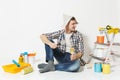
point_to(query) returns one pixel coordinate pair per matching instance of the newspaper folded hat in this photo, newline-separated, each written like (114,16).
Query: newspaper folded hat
(66,19)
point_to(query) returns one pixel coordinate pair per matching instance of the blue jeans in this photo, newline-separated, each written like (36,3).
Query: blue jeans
(64,61)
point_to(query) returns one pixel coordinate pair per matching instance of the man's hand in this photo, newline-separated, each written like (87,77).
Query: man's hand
(73,57)
(53,45)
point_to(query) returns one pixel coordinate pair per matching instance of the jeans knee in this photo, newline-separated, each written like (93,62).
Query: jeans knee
(74,68)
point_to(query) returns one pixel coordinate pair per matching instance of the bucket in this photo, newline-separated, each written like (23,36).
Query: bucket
(100,39)
(106,68)
(98,67)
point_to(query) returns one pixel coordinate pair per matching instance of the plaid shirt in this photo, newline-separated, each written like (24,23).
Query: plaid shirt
(76,40)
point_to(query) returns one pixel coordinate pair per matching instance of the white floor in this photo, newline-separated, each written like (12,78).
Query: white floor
(85,74)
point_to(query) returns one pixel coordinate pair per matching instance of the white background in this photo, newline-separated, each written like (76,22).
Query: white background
(22,22)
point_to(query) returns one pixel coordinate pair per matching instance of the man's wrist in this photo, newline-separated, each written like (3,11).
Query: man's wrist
(78,55)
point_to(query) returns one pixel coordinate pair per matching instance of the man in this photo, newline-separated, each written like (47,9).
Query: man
(67,39)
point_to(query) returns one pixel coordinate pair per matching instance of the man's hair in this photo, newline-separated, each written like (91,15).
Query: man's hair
(73,18)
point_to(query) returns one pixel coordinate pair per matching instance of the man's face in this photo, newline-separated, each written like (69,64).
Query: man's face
(72,25)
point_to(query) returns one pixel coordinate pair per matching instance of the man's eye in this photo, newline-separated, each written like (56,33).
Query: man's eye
(74,24)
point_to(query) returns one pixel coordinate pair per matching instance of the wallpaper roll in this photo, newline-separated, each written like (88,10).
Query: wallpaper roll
(27,70)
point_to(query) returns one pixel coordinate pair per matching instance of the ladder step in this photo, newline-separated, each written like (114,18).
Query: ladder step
(118,55)
(95,57)
(107,44)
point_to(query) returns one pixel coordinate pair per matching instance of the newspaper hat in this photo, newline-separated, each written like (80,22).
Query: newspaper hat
(66,19)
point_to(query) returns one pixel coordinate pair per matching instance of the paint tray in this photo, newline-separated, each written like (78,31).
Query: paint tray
(12,68)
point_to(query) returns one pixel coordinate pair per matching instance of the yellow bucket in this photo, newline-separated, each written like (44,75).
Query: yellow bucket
(106,68)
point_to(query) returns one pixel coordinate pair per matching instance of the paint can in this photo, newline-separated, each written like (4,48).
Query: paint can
(27,70)
(31,57)
(98,67)
(106,68)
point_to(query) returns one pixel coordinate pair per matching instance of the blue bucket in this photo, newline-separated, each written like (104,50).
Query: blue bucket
(98,67)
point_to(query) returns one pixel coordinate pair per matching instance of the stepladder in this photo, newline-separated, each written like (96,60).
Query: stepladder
(108,50)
